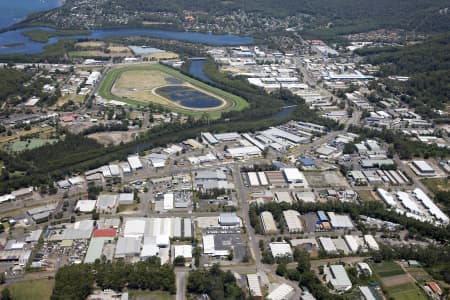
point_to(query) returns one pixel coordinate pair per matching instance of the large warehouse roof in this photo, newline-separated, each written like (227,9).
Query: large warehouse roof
(282,292)
(293,175)
(280,249)
(327,244)
(293,222)
(268,222)
(340,221)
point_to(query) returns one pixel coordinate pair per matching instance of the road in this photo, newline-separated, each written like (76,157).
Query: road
(253,240)
(181,284)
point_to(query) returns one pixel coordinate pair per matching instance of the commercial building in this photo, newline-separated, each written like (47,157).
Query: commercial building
(184,251)
(293,221)
(127,247)
(337,277)
(268,222)
(351,243)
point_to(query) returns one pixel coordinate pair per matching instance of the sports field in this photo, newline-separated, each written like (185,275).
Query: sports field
(141,84)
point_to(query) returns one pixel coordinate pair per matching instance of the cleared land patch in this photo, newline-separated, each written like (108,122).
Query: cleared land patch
(153,83)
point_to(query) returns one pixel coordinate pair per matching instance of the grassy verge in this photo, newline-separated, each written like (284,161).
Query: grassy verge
(234,102)
(437,184)
(146,295)
(42,36)
(32,289)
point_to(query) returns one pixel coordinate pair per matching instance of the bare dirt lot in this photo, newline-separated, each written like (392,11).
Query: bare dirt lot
(107,138)
(396,280)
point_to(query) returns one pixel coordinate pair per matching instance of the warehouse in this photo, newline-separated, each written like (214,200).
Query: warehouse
(337,277)
(254,287)
(184,251)
(106,202)
(305,196)
(149,250)
(268,222)
(293,221)
(407,202)
(387,197)
(229,219)
(280,249)
(327,244)
(85,206)
(283,292)
(114,170)
(241,152)
(423,167)
(371,242)
(126,198)
(168,201)
(135,162)
(276,178)
(227,136)
(293,175)
(253,178)
(283,197)
(209,138)
(127,247)
(273,131)
(351,243)
(429,204)
(134,228)
(263,178)
(340,221)
(95,249)
(187,225)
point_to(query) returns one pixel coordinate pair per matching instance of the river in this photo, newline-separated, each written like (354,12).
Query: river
(22,45)
(196,69)
(12,12)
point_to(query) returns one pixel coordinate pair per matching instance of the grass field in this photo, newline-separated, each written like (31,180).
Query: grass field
(367,195)
(387,269)
(135,85)
(407,291)
(145,295)
(33,289)
(29,144)
(437,184)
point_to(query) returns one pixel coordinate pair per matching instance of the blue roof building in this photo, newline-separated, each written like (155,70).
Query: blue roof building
(305,161)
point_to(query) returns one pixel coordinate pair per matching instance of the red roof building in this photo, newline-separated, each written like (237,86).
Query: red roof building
(108,232)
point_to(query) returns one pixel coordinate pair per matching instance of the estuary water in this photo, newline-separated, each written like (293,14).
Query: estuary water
(14,11)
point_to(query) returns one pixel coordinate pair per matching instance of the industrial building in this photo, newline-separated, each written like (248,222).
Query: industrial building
(229,219)
(340,221)
(293,175)
(254,286)
(293,221)
(423,167)
(352,244)
(268,222)
(243,152)
(371,242)
(283,197)
(280,249)
(134,162)
(283,292)
(327,245)
(337,277)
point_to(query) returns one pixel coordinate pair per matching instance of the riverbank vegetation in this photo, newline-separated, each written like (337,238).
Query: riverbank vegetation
(42,36)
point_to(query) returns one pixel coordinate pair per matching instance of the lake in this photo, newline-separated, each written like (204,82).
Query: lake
(15,11)
(30,47)
(188,97)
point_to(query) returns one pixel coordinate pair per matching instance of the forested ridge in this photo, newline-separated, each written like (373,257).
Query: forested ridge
(428,66)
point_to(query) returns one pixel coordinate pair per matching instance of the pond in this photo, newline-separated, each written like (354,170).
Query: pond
(188,97)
